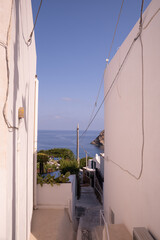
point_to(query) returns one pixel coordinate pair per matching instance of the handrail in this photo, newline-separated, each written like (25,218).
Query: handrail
(105,223)
(96,186)
(97,182)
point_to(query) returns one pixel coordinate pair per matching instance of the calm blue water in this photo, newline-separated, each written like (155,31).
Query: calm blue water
(48,139)
(56,174)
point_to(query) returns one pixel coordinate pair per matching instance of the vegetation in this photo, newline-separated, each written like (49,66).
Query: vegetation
(69,166)
(49,168)
(42,158)
(52,180)
(63,153)
(83,162)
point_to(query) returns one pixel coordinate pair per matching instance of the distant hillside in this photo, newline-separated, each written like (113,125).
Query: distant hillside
(99,141)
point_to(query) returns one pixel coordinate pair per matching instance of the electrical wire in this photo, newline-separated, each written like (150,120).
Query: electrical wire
(115,30)
(3,44)
(151,19)
(31,34)
(109,88)
(7,62)
(95,105)
(8,73)
(142,124)
(112,84)
(89,155)
(26,41)
(29,41)
(142,110)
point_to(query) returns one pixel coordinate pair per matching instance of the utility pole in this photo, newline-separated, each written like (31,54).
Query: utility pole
(78,144)
(86,158)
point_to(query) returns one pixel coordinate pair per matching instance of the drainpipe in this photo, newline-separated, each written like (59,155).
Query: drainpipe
(35,144)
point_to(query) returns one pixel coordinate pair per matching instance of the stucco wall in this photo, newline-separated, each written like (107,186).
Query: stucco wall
(16,148)
(58,196)
(134,202)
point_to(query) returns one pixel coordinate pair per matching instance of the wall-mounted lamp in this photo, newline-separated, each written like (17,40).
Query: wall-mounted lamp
(21,113)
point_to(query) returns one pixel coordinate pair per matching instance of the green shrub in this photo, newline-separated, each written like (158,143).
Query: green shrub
(83,162)
(69,166)
(52,180)
(64,153)
(51,166)
(42,158)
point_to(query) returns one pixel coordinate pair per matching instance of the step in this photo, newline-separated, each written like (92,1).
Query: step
(116,232)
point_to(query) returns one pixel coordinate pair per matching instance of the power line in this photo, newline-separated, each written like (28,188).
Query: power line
(142,110)
(95,105)
(115,29)
(5,45)
(112,84)
(142,124)
(151,19)
(30,37)
(108,57)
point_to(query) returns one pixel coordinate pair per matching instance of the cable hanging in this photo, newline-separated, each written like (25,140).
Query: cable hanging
(31,34)
(142,99)
(107,60)
(5,45)
(112,84)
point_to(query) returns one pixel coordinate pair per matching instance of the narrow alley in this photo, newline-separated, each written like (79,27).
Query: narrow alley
(88,213)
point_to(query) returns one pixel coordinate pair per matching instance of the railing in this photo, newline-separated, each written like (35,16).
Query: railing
(98,189)
(105,223)
(99,177)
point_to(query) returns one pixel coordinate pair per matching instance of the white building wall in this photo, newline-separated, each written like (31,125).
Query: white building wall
(96,159)
(102,164)
(16,148)
(136,203)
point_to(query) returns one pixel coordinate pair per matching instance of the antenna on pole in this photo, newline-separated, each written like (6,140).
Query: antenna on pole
(78,144)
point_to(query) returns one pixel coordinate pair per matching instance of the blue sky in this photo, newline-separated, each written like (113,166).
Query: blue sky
(72,42)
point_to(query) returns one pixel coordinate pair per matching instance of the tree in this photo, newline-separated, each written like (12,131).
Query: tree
(42,158)
(83,162)
(63,153)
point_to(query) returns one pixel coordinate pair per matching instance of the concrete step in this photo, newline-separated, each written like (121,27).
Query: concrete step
(116,232)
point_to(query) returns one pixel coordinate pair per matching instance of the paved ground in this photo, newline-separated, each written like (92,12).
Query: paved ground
(54,224)
(88,212)
(51,224)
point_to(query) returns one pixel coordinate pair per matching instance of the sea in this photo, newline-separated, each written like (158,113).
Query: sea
(48,139)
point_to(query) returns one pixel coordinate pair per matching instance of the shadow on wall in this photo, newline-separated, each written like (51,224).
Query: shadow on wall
(15,91)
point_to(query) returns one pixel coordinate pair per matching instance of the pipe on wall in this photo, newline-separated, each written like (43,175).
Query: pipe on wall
(35,144)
